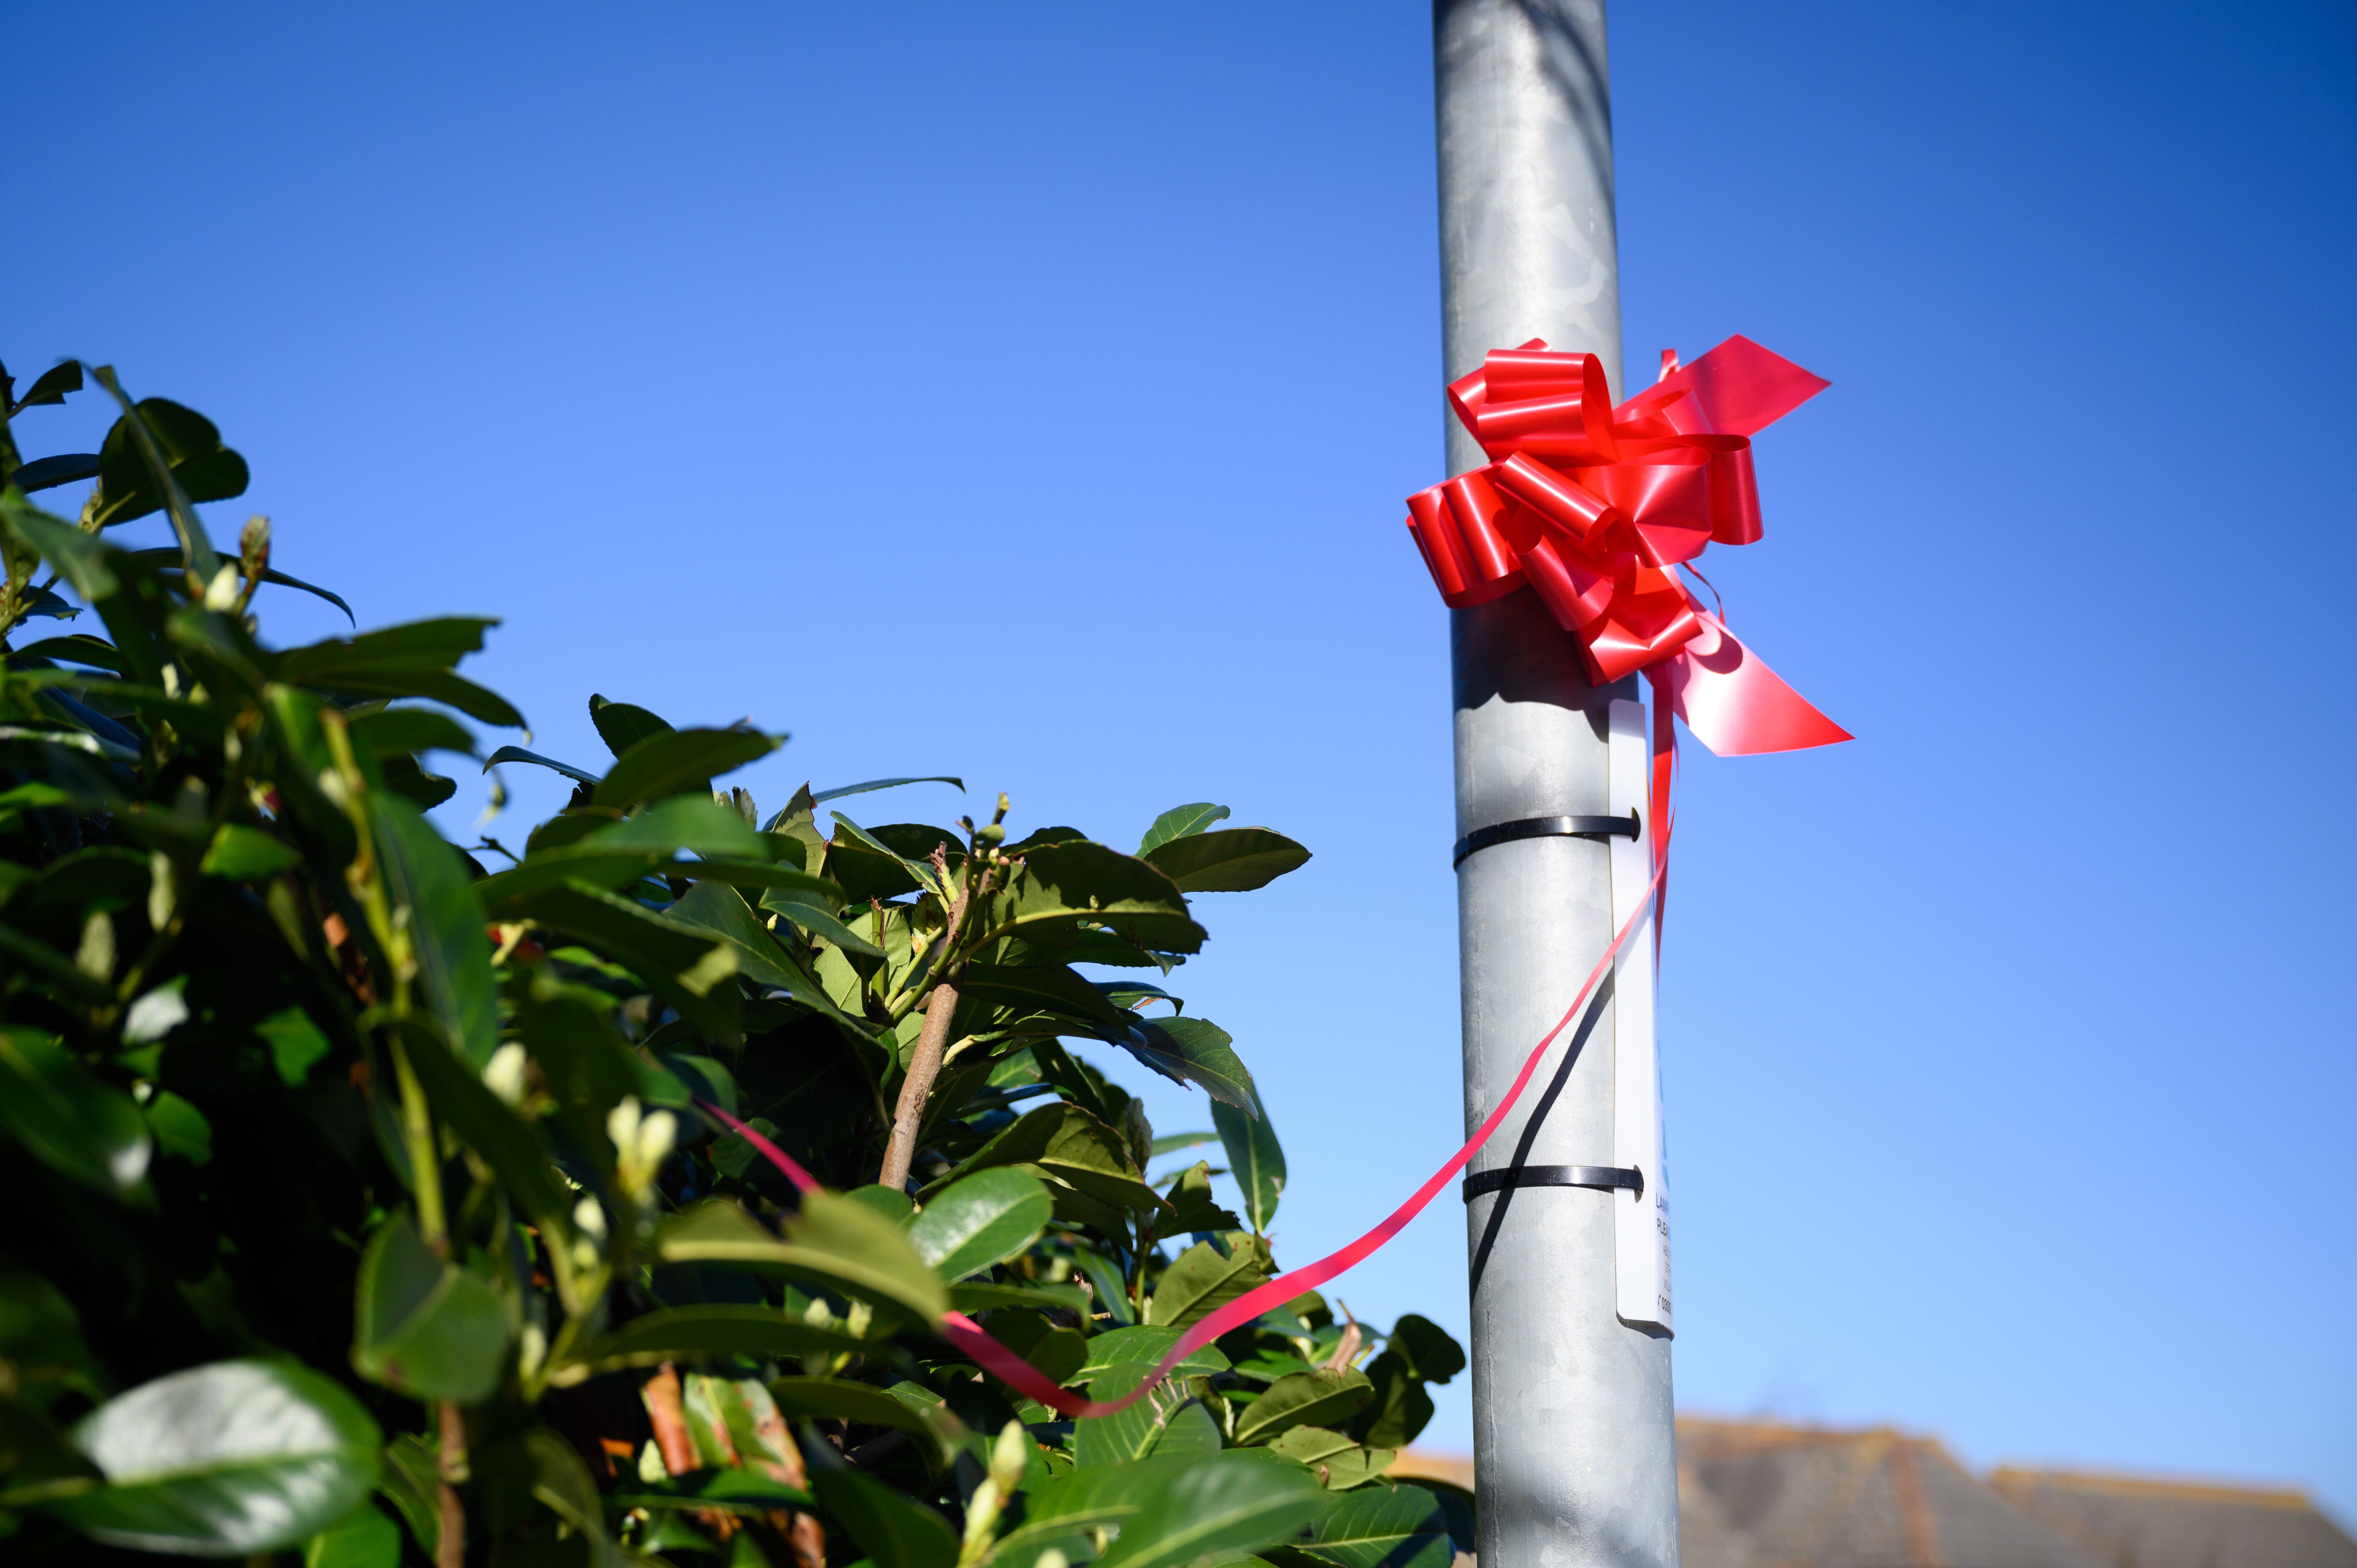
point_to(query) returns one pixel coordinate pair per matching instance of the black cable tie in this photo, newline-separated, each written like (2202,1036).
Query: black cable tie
(1609,1177)
(1545,827)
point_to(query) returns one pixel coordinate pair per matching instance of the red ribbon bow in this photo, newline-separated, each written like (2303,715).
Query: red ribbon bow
(1595,507)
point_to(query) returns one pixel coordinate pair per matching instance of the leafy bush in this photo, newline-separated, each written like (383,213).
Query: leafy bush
(375,1198)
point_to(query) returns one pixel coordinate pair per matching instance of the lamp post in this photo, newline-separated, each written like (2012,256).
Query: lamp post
(1574,1446)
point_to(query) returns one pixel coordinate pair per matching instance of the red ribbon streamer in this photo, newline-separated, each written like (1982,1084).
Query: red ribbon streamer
(971,1337)
(1593,507)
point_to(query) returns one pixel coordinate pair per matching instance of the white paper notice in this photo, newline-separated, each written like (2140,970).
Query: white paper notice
(1640,1221)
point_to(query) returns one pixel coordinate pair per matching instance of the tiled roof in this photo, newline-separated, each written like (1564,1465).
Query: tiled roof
(1763,1495)
(1802,1496)
(2137,1522)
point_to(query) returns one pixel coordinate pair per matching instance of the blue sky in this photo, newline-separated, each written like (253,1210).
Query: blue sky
(1030,393)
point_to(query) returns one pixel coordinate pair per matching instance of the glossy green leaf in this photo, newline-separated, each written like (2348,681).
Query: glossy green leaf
(190,447)
(1178,822)
(1225,1503)
(892,1203)
(1399,1409)
(911,863)
(432,897)
(719,908)
(1197,1051)
(1137,995)
(84,561)
(409,729)
(1192,1208)
(895,1529)
(1072,1079)
(1233,860)
(980,1220)
(1079,1152)
(1189,1430)
(295,1043)
(1385,1526)
(1100,1496)
(674,762)
(1338,1463)
(442,642)
(67,1119)
(368,1539)
(518,754)
(622,726)
(1255,1158)
(683,964)
(840,790)
(1193,1211)
(689,824)
(817,919)
(413,661)
(840,1399)
(1433,1354)
(1144,1347)
(1058,885)
(422,1326)
(411,1481)
(610,868)
(271,574)
(1057,1353)
(179,1127)
(1105,1278)
(1169,1420)
(1171,1142)
(972,1296)
(1050,988)
(229,1459)
(1199,1282)
(1418,1351)
(833,1242)
(246,854)
(1318,1398)
(683,1332)
(52,386)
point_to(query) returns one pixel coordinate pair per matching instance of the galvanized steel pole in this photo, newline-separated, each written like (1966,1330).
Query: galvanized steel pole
(1575,1453)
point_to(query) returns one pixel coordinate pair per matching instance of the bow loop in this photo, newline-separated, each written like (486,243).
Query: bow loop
(1595,506)
(1548,405)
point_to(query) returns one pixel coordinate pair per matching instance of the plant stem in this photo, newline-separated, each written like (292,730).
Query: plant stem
(450,1541)
(925,1062)
(1137,1266)
(424,1160)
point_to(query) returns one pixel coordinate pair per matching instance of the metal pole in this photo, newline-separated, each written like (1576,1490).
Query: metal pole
(1575,1453)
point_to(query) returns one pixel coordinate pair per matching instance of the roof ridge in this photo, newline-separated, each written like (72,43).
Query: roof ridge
(2006,1476)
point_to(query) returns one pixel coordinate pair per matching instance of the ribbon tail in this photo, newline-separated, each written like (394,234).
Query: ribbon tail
(1735,704)
(1664,811)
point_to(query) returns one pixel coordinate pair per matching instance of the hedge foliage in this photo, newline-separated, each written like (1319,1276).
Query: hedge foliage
(370,1197)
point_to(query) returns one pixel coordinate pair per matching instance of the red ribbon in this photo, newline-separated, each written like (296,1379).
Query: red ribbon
(1595,507)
